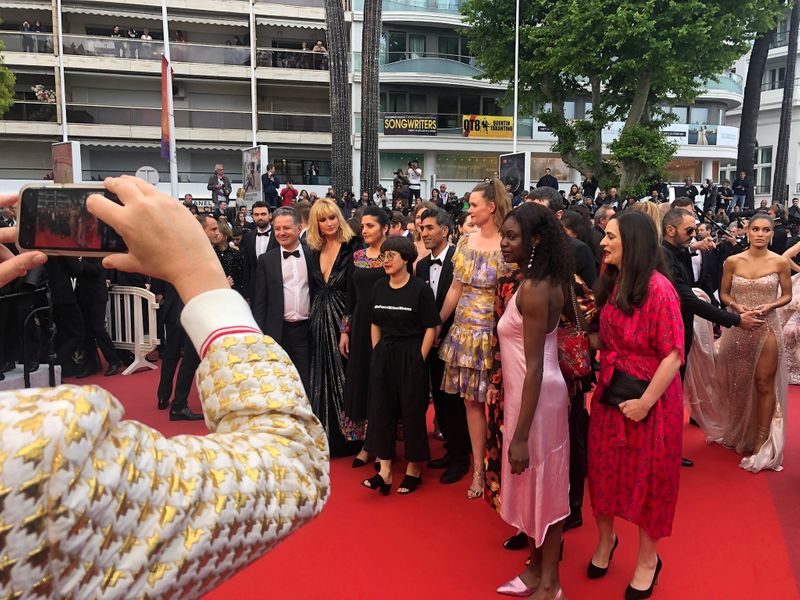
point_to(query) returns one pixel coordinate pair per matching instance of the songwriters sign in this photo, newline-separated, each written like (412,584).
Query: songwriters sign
(409,124)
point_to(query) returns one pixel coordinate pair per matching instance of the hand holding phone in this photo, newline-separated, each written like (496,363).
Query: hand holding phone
(12,267)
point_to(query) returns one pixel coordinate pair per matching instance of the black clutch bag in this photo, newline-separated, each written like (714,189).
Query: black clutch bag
(623,387)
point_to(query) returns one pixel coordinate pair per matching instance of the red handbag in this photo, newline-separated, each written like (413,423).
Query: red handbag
(573,346)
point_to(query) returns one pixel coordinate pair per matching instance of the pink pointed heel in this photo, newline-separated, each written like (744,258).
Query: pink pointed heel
(516,587)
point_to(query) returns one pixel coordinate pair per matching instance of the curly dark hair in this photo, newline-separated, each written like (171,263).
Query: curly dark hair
(554,258)
(642,255)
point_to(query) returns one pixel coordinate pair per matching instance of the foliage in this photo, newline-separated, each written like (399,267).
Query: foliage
(7,81)
(629,57)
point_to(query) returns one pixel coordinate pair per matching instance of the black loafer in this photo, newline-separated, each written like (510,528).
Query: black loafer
(455,472)
(184,414)
(115,369)
(685,462)
(439,463)
(163,404)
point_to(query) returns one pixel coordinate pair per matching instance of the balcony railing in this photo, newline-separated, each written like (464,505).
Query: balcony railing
(441,6)
(23,110)
(137,49)
(291,59)
(728,82)
(773,85)
(304,3)
(781,40)
(309,123)
(183,176)
(438,63)
(27,42)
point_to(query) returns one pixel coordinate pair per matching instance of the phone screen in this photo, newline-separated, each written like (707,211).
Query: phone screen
(55,219)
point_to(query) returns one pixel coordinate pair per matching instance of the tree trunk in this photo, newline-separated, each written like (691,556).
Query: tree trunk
(750,107)
(370,96)
(340,99)
(779,191)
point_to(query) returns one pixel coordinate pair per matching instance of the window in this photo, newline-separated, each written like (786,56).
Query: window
(774,79)
(447,105)
(491,107)
(396,46)
(416,45)
(699,115)
(763,170)
(448,47)
(418,103)
(682,112)
(470,105)
(398,102)
(391,161)
(465,167)
(569,110)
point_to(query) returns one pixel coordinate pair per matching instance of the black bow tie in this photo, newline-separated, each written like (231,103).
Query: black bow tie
(296,254)
(436,261)
(259,234)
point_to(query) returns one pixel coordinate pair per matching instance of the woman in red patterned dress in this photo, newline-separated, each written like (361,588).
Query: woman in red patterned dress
(635,448)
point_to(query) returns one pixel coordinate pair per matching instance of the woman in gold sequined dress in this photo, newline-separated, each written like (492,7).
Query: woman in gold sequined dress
(751,375)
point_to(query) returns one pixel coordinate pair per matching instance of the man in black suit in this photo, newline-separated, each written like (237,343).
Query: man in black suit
(169,309)
(223,210)
(269,185)
(436,270)
(284,291)
(67,315)
(258,241)
(547,180)
(91,290)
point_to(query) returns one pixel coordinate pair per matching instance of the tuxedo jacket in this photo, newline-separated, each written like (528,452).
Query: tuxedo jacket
(249,261)
(171,305)
(267,300)
(445,279)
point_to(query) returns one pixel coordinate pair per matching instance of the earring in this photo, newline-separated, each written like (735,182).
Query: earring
(533,253)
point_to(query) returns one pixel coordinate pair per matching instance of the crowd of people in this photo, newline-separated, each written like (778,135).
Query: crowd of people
(506,320)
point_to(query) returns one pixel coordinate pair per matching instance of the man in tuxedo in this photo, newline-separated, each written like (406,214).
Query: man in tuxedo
(170,307)
(284,291)
(257,241)
(436,270)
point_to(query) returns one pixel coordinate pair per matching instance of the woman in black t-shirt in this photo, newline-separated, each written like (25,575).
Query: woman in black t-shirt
(404,320)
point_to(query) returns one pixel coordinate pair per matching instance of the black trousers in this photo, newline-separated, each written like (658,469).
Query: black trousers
(295,340)
(69,338)
(186,373)
(398,388)
(578,450)
(94,316)
(170,357)
(450,411)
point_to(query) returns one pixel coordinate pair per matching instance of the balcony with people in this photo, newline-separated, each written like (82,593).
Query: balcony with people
(296,53)
(27,38)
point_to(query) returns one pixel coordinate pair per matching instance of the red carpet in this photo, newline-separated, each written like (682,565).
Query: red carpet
(736,535)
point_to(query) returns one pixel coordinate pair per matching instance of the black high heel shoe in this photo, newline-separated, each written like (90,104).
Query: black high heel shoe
(410,484)
(631,593)
(595,572)
(358,463)
(376,482)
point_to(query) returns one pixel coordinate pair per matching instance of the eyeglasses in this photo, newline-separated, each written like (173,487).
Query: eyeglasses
(691,230)
(390,256)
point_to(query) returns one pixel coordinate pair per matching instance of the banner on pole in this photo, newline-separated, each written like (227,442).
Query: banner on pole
(254,164)
(485,126)
(166,87)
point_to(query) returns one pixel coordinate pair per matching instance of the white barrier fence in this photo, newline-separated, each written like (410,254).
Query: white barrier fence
(131,316)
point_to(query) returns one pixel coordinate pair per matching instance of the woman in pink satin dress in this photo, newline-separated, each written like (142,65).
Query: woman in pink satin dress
(534,496)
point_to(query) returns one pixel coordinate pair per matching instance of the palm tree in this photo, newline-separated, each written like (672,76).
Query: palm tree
(779,191)
(745,159)
(340,98)
(370,95)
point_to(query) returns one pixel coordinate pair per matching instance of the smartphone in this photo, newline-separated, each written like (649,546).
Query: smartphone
(54,219)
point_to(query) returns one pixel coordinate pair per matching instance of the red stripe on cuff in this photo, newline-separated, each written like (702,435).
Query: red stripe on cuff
(218,333)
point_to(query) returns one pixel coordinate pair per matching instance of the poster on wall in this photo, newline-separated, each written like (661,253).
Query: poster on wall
(67,162)
(254,163)
(514,171)
(406,124)
(702,135)
(484,126)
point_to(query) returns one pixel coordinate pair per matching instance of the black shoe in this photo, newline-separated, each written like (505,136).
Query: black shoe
(32,367)
(631,593)
(8,366)
(439,463)
(595,572)
(82,374)
(573,521)
(455,472)
(114,369)
(184,414)
(163,404)
(376,482)
(409,483)
(685,462)
(518,541)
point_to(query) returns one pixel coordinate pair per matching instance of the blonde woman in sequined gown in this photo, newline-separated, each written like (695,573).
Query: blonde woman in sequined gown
(751,372)
(467,350)
(790,315)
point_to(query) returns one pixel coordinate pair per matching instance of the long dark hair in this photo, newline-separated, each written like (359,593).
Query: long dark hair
(553,258)
(626,288)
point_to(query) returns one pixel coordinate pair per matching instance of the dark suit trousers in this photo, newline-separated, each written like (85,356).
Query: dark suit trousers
(296,343)
(578,450)
(170,357)
(69,337)
(94,315)
(186,373)
(450,410)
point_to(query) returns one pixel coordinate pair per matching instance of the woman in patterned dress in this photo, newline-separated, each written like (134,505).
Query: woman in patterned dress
(467,350)
(635,448)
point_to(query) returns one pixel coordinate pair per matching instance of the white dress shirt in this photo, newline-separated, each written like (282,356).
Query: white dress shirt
(697,263)
(436,270)
(262,242)
(296,294)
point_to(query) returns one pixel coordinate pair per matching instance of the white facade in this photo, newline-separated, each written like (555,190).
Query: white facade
(769,116)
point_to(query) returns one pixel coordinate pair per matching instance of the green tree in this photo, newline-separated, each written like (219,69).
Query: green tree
(7,81)
(630,57)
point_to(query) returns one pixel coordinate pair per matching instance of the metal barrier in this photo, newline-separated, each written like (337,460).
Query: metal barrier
(130,328)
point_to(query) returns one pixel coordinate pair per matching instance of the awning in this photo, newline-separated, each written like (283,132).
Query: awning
(188,145)
(26,6)
(208,19)
(297,23)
